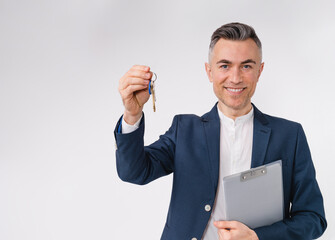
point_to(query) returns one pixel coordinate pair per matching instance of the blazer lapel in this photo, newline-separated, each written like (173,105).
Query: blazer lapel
(260,139)
(212,131)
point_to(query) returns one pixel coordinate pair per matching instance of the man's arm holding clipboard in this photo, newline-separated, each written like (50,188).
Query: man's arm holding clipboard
(306,218)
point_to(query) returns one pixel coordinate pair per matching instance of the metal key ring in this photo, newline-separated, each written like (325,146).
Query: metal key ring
(155,76)
(152,82)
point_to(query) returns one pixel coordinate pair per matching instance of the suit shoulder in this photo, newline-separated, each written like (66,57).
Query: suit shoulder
(281,122)
(187,118)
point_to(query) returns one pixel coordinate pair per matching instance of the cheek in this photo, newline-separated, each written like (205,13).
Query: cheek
(256,75)
(250,74)
(252,87)
(251,78)
(219,77)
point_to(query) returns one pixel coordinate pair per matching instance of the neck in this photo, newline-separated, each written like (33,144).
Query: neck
(234,113)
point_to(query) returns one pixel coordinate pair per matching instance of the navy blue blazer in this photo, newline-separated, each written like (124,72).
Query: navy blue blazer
(190,150)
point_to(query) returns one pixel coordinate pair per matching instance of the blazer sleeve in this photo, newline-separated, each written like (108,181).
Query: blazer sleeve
(141,164)
(307,217)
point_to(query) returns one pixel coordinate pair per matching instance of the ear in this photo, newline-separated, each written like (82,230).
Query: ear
(260,69)
(208,71)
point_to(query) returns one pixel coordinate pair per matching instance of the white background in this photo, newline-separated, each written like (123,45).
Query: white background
(60,62)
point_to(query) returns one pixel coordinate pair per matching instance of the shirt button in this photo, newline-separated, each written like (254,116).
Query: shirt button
(207,208)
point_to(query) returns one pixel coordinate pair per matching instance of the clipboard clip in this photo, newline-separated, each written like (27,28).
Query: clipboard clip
(253,173)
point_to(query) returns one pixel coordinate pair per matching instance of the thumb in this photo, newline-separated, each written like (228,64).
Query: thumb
(224,224)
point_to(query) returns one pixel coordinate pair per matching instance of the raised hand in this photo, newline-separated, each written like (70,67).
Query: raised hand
(133,88)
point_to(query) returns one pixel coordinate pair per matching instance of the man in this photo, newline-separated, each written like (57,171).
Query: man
(231,138)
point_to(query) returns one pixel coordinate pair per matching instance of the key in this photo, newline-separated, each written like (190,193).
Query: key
(152,88)
(151,92)
(153,95)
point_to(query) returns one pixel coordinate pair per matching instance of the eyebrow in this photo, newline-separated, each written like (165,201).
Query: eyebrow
(224,61)
(248,61)
(229,62)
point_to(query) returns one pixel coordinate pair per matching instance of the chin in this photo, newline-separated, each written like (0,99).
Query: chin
(236,105)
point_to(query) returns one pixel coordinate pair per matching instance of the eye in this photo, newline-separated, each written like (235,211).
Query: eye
(225,66)
(246,66)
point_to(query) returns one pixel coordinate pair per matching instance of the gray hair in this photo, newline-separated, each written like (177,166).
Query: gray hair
(234,31)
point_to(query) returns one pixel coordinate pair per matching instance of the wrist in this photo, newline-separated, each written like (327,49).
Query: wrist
(131,119)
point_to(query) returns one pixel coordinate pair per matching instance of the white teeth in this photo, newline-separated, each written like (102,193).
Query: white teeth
(235,89)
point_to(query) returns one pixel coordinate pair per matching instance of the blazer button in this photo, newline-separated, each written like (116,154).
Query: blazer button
(207,208)
(194,239)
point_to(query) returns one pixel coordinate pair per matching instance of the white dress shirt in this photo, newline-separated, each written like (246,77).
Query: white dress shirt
(127,128)
(235,156)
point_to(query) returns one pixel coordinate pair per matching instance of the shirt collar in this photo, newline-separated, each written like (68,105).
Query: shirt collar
(241,119)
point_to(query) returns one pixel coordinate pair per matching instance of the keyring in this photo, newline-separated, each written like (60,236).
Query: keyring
(151,89)
(153,81)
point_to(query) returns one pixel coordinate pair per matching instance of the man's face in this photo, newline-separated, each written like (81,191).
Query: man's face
(234,70)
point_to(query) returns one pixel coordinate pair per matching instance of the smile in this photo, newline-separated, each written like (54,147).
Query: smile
(235,90)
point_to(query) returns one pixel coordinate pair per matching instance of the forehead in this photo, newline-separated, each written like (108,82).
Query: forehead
(235,51)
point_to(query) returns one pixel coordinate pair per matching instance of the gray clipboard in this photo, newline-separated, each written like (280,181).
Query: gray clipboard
(255,197)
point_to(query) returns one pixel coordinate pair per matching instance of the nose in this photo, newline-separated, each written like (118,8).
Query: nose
(235,76)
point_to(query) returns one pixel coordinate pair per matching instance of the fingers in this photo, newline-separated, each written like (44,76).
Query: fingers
(226,224)
(141,67)
(133,89)
(137,75)
(230,230)
(139,71)
(133,81)
(130,89)
(224,234)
